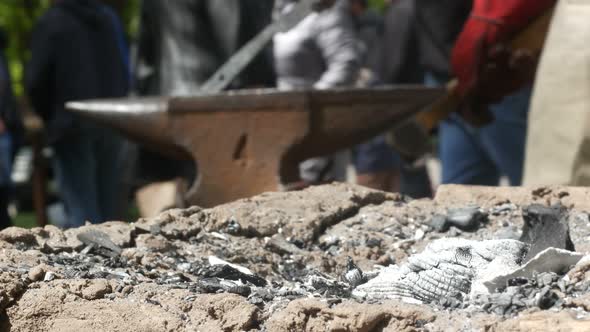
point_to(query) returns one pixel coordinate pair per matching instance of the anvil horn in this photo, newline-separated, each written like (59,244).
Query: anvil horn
(145,120)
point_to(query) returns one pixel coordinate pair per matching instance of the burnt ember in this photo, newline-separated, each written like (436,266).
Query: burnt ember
(325,256)
(546,227)
(99,242)
(467,219)
(543,291)
(230,273)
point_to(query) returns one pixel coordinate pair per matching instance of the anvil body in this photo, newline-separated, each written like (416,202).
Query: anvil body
(251,141)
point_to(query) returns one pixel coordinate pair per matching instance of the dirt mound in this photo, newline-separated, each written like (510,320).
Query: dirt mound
(275,262)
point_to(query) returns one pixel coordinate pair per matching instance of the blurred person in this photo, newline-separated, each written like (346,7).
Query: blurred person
(182,43)
(375,162)
(320,52)
(76,54)
(393,59)
(470,155)
(558,141)
(11,131)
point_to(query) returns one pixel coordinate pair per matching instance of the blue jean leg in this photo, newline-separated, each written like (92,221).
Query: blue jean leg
(478,156)
(375,155)
(5,159)
(87,172)
(5,178)
(463,159)
(110,174)
(504,140)
(75,171)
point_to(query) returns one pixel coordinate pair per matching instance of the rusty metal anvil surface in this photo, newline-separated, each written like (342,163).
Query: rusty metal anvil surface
(250,141)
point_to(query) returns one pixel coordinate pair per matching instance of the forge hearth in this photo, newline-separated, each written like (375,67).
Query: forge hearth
(307,261)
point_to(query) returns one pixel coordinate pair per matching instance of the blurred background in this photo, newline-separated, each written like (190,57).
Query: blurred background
(17,18)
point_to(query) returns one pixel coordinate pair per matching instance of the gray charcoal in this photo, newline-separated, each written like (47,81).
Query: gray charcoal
(230,273)
(291,293)
(278,244)
(547,298)
(466,219)
(100,242)
(209,285)
(439,223)
(235,288)
(328,286)
(502,208)
(255,300)
(353,274)
(545,227)
(454,232)
(562,284)
(233,227)
(374,242)
(546,279)
(508,233)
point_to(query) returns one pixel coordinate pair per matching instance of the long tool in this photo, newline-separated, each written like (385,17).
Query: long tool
(223,77)
(411,137)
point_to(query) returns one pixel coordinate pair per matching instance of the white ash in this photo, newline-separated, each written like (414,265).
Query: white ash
(448,268)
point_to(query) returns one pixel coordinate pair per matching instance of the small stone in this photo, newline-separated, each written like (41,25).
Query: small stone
(419,235)
(18,235)
(562,284)
(353,275)
(439,223)
(96,290)
(507,233)
(467,219)
(374,242)
(49,276)
(36,274)
(99,240)
(454,232)
(545,227)
(127,290)
(502,208)
(547,298)
(385,260)
(546,279)
(155,243)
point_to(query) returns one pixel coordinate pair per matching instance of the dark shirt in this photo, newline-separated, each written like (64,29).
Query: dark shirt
(438,24)
(75,56)
(183,42)
(400,55)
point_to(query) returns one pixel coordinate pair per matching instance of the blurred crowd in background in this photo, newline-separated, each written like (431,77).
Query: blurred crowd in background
(80,49)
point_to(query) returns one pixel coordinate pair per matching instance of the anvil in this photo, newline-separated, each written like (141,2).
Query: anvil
(246,142)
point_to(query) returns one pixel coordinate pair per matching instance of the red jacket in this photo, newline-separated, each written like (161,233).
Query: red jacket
(491,22)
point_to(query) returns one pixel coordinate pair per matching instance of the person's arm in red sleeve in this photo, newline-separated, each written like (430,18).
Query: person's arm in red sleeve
(485,66)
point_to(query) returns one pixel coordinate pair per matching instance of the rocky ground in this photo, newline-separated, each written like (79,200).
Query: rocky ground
(288,252)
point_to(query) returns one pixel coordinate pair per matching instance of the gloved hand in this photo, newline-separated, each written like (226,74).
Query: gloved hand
(486,67)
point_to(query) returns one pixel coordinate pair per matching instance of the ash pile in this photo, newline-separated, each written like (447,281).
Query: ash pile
(329,258)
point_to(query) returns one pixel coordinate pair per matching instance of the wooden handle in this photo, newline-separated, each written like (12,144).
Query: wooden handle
(531,38)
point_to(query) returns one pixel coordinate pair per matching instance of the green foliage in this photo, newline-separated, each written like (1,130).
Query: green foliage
(378,5)
(18,18)
(131,17)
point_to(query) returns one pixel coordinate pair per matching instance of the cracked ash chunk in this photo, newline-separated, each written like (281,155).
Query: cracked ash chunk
(447,269)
